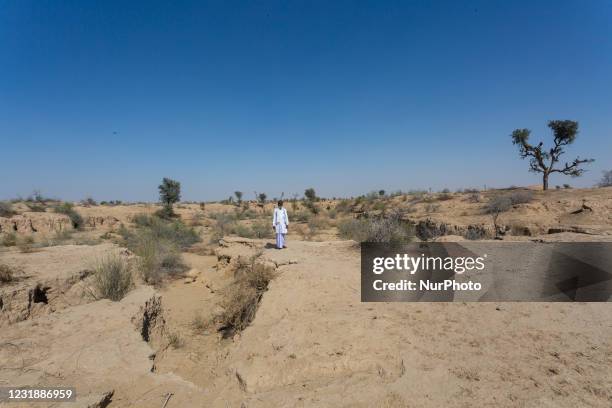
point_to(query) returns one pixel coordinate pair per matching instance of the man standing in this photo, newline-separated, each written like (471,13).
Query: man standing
(280,222)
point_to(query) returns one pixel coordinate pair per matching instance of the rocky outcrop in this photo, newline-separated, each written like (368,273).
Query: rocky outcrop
(28,223)
(107,222)
(31,298)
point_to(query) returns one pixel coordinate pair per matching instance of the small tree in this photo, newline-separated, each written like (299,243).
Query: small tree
(381,193)
(261,197)
(606,179)
(496,206)
(543,161)
(311,198)
(238,195)
(169,193)
(310,194)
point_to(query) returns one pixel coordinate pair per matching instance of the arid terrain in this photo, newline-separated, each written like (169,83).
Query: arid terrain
(237,323)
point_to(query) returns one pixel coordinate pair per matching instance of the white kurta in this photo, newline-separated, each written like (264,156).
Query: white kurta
(280,220)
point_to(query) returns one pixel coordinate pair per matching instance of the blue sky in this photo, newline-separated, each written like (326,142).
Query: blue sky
(105,98)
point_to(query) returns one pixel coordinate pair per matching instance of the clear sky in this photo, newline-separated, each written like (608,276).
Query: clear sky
(105,98)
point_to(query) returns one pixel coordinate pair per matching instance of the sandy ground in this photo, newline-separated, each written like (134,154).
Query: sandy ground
(312,342)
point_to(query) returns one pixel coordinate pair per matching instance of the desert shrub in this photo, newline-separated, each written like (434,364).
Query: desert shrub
(158,243)
(474,197)
(444,196)
(355,229)
(25,244)
(6,209)
(379,206)
(199,323)
(521,197)
(175,340)
(606,179)
(567,186)
(9,239)
(158,258)
(301,216)
(225,224)
(173,231)
(37,207)
(166,213)
(332,213)
(262,229)
(496,206)
(243,231)
(7,273)
(112,278)
(475,234)
(315,224)
(242,298)
(344,206)
(68,209)
(429,208)
(89,202)
(382,229)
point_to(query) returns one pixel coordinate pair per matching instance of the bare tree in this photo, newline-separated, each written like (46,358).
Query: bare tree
(495,207)
(543,161)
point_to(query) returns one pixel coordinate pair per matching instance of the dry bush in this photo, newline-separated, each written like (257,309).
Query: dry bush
(8,273)
(496,206)
(6,209)
(37,207)
(431,208)
(389,229)
(25,244)
(9,239)
(199,323)
(68,209)
(262,229)
(158,243)
(474,197)
(175,340)
(315,224)
(158,259)
(113,278)
(242,297)
(521,197)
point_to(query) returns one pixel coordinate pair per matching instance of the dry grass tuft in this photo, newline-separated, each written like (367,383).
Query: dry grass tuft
(8,273)
(113,278)
(242,298)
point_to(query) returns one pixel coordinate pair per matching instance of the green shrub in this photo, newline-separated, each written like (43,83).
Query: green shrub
(113,278)
(158,243)
(173,231)
(243,231)
(68,209)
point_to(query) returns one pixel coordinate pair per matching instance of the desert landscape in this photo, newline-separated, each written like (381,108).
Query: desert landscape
(310,204)
(135,308)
